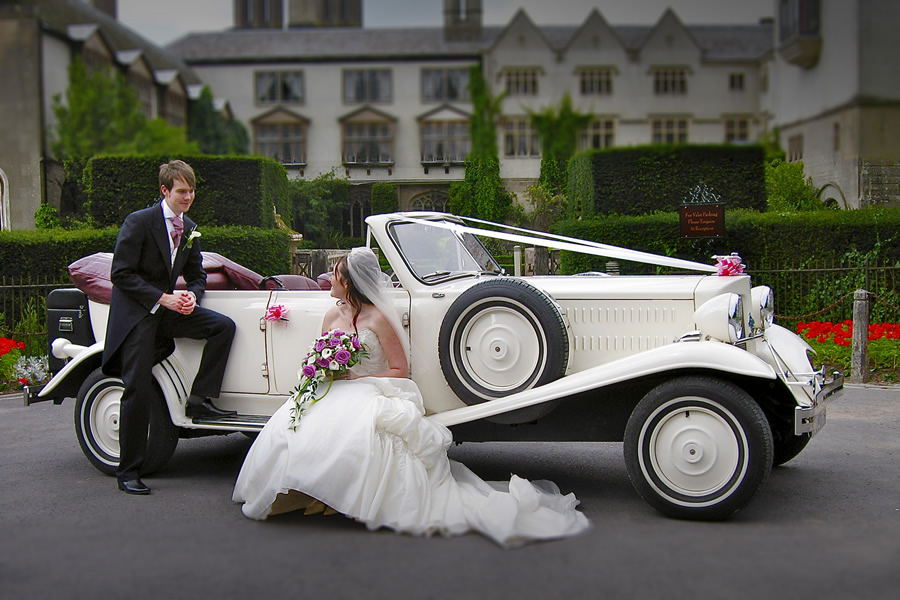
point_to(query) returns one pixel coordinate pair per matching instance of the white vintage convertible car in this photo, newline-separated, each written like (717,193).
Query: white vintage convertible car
(687,369)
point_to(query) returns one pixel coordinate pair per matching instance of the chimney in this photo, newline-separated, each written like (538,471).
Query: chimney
(462,20)
(107,6)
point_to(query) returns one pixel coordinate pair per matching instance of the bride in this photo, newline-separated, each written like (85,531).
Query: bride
(367,451)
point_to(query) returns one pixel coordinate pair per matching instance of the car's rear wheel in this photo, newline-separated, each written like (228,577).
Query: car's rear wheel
(501,337)
(97,425)
(698,448)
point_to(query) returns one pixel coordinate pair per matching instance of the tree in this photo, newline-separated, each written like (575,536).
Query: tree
(212,133)
(787,190)
(481,193)
(102,115)
(559,140)
(319,207)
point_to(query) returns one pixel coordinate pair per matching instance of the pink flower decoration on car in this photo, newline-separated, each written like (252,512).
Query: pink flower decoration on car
(730,265)
(277,312)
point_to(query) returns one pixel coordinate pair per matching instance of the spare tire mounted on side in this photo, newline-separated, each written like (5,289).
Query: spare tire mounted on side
(501,337)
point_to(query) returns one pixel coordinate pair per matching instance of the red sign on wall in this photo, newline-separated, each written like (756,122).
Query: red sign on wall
(702,220)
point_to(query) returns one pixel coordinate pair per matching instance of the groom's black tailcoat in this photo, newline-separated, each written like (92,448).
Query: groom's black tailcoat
(136,338)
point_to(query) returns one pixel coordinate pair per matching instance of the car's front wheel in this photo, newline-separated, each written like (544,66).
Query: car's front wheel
(698,448)
(97,425)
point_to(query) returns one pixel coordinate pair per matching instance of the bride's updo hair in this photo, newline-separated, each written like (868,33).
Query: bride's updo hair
(355,298)
(361,272)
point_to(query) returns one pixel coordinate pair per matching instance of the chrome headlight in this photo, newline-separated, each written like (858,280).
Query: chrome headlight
(722,317)
(762,307)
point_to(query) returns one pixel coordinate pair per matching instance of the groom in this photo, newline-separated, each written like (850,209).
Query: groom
(154,247)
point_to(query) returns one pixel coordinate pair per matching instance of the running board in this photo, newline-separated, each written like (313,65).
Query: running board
(239,422)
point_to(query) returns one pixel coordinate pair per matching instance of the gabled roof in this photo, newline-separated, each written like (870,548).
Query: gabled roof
(77,21)
(668,17)
(276,115)
(367,113)
(718,42)
(592,24)
(522,20)
(444,112)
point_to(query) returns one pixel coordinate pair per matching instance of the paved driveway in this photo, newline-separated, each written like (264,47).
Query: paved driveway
(826,525)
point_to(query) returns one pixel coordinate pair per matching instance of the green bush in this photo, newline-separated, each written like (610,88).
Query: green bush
(760,238)
(788,190)
(231,190)
(47,254)
(318,207)
(384,198)
(645,179)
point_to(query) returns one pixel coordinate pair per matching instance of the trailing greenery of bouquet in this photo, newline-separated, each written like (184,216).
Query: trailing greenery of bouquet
(330,354)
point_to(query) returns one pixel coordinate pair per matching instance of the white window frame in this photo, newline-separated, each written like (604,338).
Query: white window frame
(599,133)
(520,138)
(669,130)
(596,81)
(366,86)
(670,81)
(437,84)
(522,81)
(377,136)
(445,141)
(279,88)
(284,141)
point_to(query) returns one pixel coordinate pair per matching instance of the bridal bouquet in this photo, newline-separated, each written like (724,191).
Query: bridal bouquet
(332,353)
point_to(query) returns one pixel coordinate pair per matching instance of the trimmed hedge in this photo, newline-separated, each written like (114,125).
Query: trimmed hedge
(47,254)
(645,179)
(231,190)
(759,238)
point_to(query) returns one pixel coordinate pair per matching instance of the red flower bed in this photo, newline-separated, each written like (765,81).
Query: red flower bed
(7,344)
(842,333)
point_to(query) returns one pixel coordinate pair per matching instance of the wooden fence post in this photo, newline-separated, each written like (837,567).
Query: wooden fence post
(859,357)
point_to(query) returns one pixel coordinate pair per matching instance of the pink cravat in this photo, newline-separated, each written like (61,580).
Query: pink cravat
(177,230)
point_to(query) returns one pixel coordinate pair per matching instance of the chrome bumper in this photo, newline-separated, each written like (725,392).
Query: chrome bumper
(810,419)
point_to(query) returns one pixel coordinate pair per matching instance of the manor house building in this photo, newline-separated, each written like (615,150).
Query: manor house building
(393,104)
(321,93)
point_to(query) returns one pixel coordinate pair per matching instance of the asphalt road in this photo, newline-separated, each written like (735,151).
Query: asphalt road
(826,525)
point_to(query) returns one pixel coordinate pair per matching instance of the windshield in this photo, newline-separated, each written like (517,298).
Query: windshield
(434,253)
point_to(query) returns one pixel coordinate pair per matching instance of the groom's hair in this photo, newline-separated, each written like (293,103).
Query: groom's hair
(176,169)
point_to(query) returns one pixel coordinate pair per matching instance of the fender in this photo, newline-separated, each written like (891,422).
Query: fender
(707,355)
(169,374)
(79,354)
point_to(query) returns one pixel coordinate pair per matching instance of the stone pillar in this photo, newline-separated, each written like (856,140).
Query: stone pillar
(859,358)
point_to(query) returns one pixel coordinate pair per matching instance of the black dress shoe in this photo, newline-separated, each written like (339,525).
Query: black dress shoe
(134,486)
(203,408)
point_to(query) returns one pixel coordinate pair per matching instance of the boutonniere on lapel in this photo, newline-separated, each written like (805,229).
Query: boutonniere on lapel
(193,235)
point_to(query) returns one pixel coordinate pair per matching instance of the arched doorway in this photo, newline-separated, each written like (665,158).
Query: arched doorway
(432,200)
(832,195)
(359,206)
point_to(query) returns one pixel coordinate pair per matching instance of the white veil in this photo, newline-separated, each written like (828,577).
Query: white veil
(366,274)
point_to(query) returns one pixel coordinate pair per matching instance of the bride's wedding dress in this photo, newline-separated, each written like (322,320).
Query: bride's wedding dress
(367,451)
